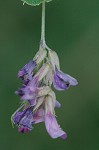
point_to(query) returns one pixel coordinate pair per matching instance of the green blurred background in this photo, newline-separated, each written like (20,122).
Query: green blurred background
(72,29)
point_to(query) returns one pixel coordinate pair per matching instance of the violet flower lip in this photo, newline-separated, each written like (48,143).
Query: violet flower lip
(63,81)
(27,71)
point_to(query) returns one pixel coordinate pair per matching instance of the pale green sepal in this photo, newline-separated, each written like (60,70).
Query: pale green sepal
(43,91)
(53,57)
(43,71)
(49,106)
(40,56)
(39,103)
(49,77)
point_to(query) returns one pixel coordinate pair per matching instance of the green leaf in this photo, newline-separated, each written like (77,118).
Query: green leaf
(34,2)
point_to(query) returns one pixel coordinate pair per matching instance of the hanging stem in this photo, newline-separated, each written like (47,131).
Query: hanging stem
(42,42)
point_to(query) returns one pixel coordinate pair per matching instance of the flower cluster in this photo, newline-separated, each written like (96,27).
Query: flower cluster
(37,97)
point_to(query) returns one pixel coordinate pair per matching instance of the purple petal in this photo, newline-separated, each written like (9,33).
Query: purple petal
(20,91)
(23,130)
(67,78)
(63,81)
(26,121)
(26,72)
(53,128)
(29,91)
(32,102)
(39,116)
(59,84)
(57,104)
(34,82)
(17,117)
(24,118)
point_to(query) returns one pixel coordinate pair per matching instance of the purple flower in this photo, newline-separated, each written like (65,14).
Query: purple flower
(24,119)
(29,91)
(63,81)
(26,72)
(53,128)
(51,124)
(39,101)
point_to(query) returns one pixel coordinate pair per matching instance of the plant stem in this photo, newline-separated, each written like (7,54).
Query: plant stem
(42,42)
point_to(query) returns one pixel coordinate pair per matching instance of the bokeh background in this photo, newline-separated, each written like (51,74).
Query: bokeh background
(72,29)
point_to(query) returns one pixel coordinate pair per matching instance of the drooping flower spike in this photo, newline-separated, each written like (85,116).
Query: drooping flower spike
(38,100)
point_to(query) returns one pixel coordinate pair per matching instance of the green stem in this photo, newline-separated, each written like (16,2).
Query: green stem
(42,44)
